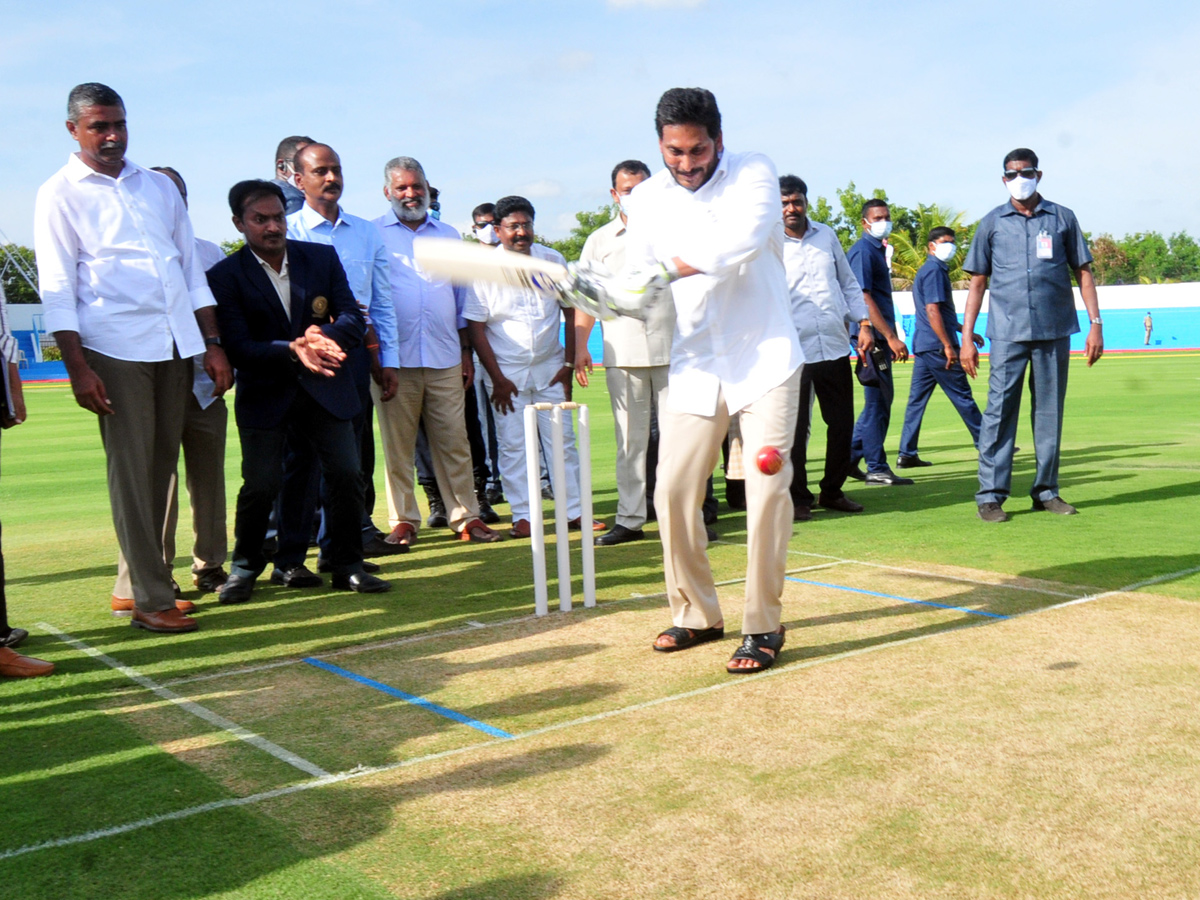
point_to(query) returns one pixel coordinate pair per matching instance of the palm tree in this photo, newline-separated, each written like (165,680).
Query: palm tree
(909,250)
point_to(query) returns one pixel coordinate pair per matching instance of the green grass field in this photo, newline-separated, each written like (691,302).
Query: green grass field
(943,722)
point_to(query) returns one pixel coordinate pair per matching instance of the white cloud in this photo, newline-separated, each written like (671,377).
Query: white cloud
(546,187)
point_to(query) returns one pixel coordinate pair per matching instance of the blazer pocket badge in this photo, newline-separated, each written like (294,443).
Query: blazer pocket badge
(320,306)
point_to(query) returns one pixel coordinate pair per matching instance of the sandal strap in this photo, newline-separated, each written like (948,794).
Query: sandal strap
(679,633)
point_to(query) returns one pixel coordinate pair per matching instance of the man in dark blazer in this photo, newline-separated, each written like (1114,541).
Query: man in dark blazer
(287,319)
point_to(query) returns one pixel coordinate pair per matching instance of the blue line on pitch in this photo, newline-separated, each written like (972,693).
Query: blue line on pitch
(842,587)
(409,698)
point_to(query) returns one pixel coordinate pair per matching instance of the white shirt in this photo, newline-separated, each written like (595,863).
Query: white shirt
(280,280)
(523,325)
(733,324)
(826,296)
(202,386)
(117,264)
(630,342)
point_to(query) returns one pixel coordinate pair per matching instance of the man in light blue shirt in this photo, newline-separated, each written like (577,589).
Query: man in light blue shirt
(321,220)
(433,356)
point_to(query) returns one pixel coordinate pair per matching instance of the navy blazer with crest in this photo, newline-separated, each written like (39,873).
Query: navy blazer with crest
(255,332)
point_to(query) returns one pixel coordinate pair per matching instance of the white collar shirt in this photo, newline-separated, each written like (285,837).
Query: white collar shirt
(202,386)
(523,326)
(117,263)
(280,280)
(630,342)
(825,295)
(733,327)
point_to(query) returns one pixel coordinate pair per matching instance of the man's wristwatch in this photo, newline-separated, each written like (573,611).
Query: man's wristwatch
(1096,320)
(212,341)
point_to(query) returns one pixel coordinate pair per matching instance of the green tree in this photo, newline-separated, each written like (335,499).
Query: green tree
(572,245)
(910,244)
(15,262)
(232,247)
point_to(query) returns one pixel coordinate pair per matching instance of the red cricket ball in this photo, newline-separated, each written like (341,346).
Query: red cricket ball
(769,460)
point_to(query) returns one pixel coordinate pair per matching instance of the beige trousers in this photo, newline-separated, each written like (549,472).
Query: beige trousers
(437,395)
(203,445)
(688,452)
(631,391)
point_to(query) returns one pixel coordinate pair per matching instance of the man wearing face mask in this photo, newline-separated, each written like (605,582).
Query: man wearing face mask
(637,354)
(1025,251)
(434,359)
(868,261)
(285,170)
(935,348)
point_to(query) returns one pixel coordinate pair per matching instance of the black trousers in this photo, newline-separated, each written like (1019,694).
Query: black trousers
(333,443)
(832,382)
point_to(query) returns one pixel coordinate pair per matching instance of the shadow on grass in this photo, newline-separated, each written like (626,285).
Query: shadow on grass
(1116,572)
(207,854)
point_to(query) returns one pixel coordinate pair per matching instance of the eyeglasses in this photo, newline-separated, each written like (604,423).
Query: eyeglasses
(1010,174)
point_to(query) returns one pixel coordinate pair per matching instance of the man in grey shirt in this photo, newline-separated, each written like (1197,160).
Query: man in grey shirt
(1026,251)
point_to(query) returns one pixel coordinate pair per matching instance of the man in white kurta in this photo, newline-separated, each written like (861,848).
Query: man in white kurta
(710,223)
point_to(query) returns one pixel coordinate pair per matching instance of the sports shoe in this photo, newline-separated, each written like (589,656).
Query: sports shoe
(210,582)
(991,512)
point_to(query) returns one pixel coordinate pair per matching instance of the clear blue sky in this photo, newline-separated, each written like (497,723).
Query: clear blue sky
(543,97)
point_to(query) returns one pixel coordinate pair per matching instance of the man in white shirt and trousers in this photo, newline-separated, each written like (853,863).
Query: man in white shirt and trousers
(710,224)
(126,298)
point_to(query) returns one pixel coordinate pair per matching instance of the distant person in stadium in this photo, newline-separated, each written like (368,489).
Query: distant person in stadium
(709,226)
(1025,252)
(1148,324)
(515,332)
(205,424)
(285,170)
(125,295)
(289,318)
(637,357)
(935,348)
(12,663)
(868,261)
(825,299)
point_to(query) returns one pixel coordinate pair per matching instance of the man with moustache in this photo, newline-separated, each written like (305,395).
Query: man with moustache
(433,359)
(125,296)
(289,317)
(709,226)
(323,221)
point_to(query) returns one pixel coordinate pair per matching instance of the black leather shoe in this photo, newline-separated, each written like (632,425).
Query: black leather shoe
(377,546)
(710,534)
(362,583)
(437,511)
(887,478)
(911,462)
(619,534)
(801,513)
(297,577)
(856,472)
(840,504)
(15,636)
(368,566)
(237,589)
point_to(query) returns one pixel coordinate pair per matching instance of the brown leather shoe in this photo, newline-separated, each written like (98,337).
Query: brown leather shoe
(840,504)
(166,621)
(14,665)
(122,606)
(520,529)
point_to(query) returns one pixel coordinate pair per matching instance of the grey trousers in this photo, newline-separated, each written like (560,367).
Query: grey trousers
(632,390)
(204,431)
(141,442)
(1047,362)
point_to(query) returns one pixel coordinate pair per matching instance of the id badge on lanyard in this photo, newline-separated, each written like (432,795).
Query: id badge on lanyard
(1045,245)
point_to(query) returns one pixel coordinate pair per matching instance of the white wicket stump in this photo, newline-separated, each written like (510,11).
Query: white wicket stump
(537,525)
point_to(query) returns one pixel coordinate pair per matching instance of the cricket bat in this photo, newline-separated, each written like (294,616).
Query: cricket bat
(461,262)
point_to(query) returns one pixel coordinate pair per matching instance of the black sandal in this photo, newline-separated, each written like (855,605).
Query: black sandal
(690,637)
(753,646)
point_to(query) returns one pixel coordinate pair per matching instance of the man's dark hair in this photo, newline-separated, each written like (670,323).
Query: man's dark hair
(244,193)
(871,204)
(483,209)
(792,184)
(168,170)
(91,93)
(632,166)
(506,206)
(940,231)
(287,147)
(688,106)
(1021,153)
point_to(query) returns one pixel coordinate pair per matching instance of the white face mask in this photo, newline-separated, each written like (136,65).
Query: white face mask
(945,250)
(1022,188)
(880,229)
(487,234)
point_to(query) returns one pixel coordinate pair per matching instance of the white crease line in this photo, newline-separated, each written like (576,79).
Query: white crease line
(191,706)
(1129,587)
(363,771)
